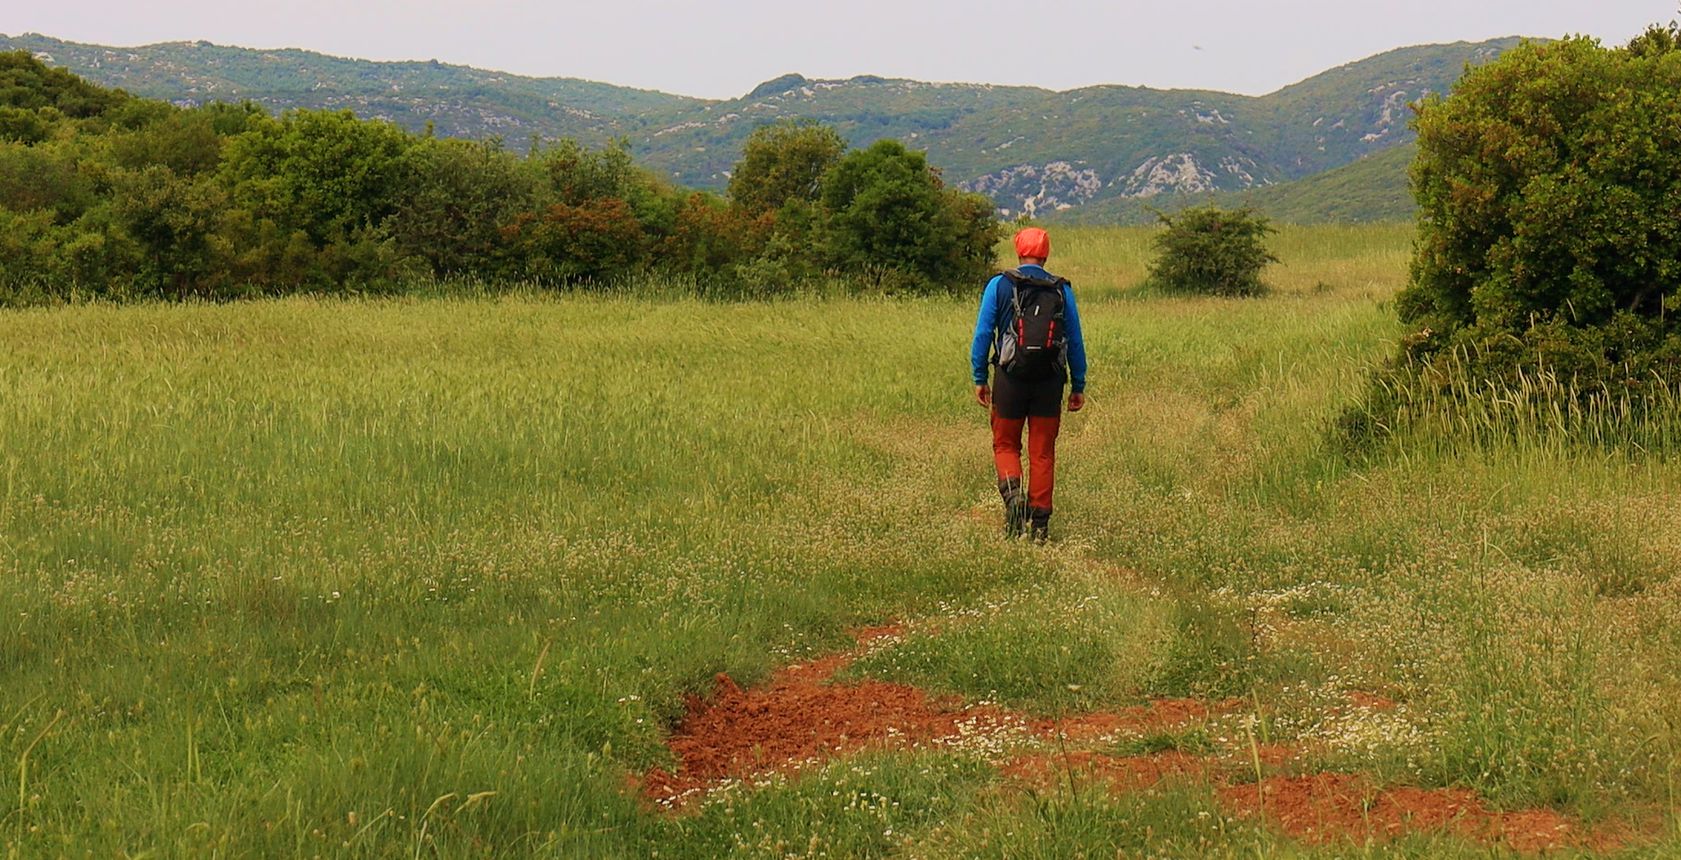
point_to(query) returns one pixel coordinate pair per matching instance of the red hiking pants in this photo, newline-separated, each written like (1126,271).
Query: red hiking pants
(1041,453)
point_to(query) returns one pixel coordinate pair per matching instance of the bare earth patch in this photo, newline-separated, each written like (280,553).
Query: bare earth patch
(801,718)
(1328,807)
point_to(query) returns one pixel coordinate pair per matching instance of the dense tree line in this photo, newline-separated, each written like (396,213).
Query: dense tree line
(104,194)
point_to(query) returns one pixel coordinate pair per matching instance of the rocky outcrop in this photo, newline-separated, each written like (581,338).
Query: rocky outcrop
(1035,189)
(1178,173)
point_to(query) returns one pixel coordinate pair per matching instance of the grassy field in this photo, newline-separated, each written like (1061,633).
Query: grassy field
(433,578)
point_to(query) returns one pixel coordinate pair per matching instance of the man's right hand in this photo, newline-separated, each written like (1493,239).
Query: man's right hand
(983,395)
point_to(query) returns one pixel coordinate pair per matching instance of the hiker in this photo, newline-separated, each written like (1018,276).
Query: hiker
(1029,330)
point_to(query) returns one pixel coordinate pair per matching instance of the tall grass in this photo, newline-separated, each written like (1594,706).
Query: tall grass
(1445,406)
(433,576)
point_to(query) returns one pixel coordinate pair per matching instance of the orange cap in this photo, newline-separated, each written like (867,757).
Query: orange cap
(1033,242)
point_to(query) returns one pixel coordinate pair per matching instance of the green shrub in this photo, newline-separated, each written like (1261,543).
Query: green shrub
(784,162)
(1548,261)
(455,198)
(323,172)
(1211,251)
(887,214)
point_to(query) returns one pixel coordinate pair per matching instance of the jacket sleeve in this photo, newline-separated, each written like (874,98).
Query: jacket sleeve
(986,328)
(1076,345)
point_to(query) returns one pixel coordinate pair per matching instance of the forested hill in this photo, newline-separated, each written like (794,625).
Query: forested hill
(1030,150)
(458,100)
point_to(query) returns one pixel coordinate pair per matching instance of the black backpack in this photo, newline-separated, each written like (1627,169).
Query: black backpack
(1035,346)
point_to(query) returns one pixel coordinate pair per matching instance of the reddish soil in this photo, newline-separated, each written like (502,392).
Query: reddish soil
(1272,757)
(800,717)
(1327,807)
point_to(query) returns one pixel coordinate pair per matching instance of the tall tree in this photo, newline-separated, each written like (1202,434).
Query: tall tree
(784,162)
(326,173)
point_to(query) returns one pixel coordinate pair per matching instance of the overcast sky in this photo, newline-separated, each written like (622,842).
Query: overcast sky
(722,49)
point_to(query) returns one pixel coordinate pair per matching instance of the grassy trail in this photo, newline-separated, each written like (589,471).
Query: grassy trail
(434,577)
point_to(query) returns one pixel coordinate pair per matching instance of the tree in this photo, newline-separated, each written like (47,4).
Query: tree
(885,210)
(784,162)
(1549,186)
(23,125)
(173,219)
(711,237)
(574,176)
(1212,251)
(454,199)
(45,176)
(186,142)
(326,173)
(1547,267)
(592,241)
(972,223)
(27,83)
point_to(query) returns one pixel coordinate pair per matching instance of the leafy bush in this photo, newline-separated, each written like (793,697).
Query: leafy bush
(1211,251)
(318,171)
(591,241)
(454,198)
(1550,188)
(710,236)
(1549,245)
(784,162)
(887,212)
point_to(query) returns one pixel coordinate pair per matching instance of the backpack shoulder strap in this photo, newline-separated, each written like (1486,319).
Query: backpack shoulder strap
(1015,279)
(1019,278)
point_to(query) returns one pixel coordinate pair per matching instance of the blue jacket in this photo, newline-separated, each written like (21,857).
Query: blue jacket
(998,314)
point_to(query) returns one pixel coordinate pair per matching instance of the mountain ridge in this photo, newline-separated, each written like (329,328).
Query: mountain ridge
(1033,150)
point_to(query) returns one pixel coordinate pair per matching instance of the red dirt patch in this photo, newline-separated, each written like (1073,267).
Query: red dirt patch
(1328,807)
(868,635)
(796,719)
(800,718)
(1272,756)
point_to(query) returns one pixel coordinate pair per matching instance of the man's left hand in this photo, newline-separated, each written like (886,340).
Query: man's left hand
(1076,402)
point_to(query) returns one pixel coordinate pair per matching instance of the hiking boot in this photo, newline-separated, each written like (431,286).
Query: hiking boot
(1041,524)
(1015,508)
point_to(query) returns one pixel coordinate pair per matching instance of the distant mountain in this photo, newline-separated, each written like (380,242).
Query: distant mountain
(1110,148)
(457,100)
(1375,188)
(1039,151)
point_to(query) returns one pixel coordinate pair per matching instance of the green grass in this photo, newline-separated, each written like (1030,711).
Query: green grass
(432,577)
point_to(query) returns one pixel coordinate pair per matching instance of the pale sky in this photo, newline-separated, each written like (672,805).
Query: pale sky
(723,49)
